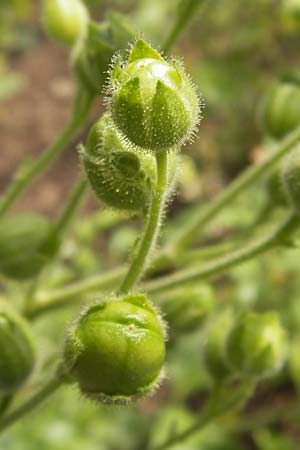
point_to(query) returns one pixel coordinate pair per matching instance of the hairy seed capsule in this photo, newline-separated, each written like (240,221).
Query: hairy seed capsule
(120,175)
(291,178)
(280,112)
(153,102)
(256,345)
(116,349)
(16,349)
(214,349)
(65,20)
(27,242)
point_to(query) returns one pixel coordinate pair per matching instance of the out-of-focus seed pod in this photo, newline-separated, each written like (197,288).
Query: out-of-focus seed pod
(214,356)
(186,309)
(119,174)
(17,351)
(65,20)
(256,345)
(152,101)
(291,178)
(116,349)
(27,242)
(280,110)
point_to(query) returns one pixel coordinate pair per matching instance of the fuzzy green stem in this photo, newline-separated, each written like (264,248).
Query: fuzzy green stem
(214,410)
(59,298)
(31,403)
(147,243)
(193,228)
(82,106)
(71,207)
(186,9)
(218,265)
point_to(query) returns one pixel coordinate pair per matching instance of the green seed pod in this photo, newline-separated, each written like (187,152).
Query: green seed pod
(120,175)
(256,345)
(214,357)
(116,349)
(65,20)
(27,243)
(186,309)
(152,101)
(280,111)
(17,351)
(291,178)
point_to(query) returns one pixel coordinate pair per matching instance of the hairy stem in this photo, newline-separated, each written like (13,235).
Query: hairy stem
(31,403)
(148,240)
(186,9)
(71,207)
(193,228)
(217,266)
(82,106)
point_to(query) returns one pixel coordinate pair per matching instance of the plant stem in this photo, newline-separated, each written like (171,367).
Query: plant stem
(218,265)
(195,226)
(82,106)
(214,410)
(185,12)
(31,403)
(58,298)
(70,208)
(148,240)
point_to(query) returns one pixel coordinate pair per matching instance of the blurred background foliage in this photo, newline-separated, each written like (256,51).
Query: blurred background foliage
(235,52)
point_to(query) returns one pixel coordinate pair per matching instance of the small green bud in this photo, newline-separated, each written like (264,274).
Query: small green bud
(256,345)
(214,349)
(65,20)
(17,351)
(152,101)
(291,178)
(120,175)
(116,349)
(186,309)
(280,112)
(27,243)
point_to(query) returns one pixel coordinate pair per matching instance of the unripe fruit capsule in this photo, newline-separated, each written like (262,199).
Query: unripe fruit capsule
(17,351)
(26,244)
(280,112)
(120,175)
(65,20)
(116,349)
(152,101)
(256,345)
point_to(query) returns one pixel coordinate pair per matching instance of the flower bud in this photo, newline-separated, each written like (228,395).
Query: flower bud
(185,309)
(256,345)
(214,349)
(116,349)
(280,113)
(291,178)
(152,101)
(65,20)
(120,175)
(17,351)
(27,242)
